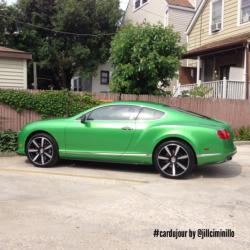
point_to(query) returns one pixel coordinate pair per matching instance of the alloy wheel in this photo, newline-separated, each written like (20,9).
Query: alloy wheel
(173,160)
(40,150)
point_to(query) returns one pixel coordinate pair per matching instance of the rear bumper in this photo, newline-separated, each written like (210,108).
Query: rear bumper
(204,159)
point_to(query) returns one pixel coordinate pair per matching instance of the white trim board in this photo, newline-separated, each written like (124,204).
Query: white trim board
(195,17)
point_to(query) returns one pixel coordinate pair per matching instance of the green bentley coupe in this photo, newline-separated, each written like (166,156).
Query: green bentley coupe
(173,140)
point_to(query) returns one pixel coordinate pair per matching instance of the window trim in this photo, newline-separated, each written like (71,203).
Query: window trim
(239,15)
(141,5)
(134,105)
(166,19)
(104,71)
(211,18)
(164,114)
(88,113)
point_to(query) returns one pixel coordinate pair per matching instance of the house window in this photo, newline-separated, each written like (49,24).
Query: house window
(244,11)
(139,3)
(216,18)
(105,77)
(75,85)
(166,20)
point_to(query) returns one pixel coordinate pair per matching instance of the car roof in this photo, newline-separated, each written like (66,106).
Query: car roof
(141,103)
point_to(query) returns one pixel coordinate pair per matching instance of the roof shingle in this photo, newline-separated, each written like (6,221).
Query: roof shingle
(14,53)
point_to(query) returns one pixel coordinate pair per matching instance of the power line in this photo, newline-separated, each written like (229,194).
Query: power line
(72,33)
(60,32)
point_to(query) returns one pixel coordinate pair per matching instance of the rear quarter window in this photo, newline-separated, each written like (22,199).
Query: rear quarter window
(150,114)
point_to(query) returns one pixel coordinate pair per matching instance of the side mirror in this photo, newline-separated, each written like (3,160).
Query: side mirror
(83,119)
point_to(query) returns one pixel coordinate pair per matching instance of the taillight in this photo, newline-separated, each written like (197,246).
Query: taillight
(223,134)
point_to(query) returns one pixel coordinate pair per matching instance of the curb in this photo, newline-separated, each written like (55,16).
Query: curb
(238,143)
(8,154)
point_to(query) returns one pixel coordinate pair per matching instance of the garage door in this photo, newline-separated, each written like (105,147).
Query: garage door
(13,73)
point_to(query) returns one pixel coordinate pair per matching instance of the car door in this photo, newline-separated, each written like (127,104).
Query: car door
(145,131)
(106,131)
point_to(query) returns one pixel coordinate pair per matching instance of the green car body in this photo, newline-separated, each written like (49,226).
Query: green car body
(133,140)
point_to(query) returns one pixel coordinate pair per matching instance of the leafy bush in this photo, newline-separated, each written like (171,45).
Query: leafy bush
(48,103)
(243,134)
(185,93)
(8,141)
(143,56)
(200,91)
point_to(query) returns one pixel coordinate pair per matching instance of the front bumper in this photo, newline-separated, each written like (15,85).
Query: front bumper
(21,143)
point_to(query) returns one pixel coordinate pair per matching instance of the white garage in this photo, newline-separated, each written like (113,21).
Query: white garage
(13,68)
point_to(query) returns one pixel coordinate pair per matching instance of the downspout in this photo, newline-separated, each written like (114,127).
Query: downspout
(246,59)
(247,79)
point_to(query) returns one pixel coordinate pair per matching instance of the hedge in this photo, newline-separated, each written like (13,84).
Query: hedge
(243,134)
(48,103)
(8,141)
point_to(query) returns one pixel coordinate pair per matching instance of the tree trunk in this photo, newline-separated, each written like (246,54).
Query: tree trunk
(65,78)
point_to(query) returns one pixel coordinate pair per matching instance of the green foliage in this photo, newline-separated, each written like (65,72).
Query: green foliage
(200,91)
(60,56)
(168,93)
(185,93)
(143,56)
(243,134)
(8,141)
(48,103)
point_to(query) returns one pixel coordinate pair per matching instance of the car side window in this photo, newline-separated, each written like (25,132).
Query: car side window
(150,114)
(115,112)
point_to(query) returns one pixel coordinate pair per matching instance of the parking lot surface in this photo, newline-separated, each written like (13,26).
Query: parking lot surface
(79,205)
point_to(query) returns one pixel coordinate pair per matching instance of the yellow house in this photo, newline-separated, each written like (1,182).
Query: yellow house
(218,38)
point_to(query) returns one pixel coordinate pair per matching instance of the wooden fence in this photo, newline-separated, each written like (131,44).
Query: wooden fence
(10,119)
(235,112)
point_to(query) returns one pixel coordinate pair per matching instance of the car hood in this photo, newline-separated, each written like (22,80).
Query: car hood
(45,123)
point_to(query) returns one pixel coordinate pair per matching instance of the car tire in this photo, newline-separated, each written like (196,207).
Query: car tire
(174,159)
(42,150)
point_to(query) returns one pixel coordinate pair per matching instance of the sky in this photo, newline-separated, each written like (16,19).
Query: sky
(123,3)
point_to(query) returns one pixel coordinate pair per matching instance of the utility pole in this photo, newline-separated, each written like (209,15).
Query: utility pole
(35,75)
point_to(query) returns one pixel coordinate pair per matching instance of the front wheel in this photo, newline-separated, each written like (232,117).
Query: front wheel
(174,159)
(42,150)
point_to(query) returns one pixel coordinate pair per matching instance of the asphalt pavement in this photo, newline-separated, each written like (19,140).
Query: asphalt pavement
(80,205)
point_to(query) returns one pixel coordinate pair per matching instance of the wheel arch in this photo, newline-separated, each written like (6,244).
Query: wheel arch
(177,139)
(37,132)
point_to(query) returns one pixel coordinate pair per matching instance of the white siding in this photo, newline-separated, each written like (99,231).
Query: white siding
(152,12)
(97,87)
(195,3)
(13,73)
(180,19)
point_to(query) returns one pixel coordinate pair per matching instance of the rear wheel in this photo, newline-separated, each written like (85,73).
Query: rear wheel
(174,159)
(42,150)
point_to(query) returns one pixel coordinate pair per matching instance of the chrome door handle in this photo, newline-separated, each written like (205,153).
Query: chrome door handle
(127,128)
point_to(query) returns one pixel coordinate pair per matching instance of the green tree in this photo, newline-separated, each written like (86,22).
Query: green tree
(143,57)
(7,22)
(61,55)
